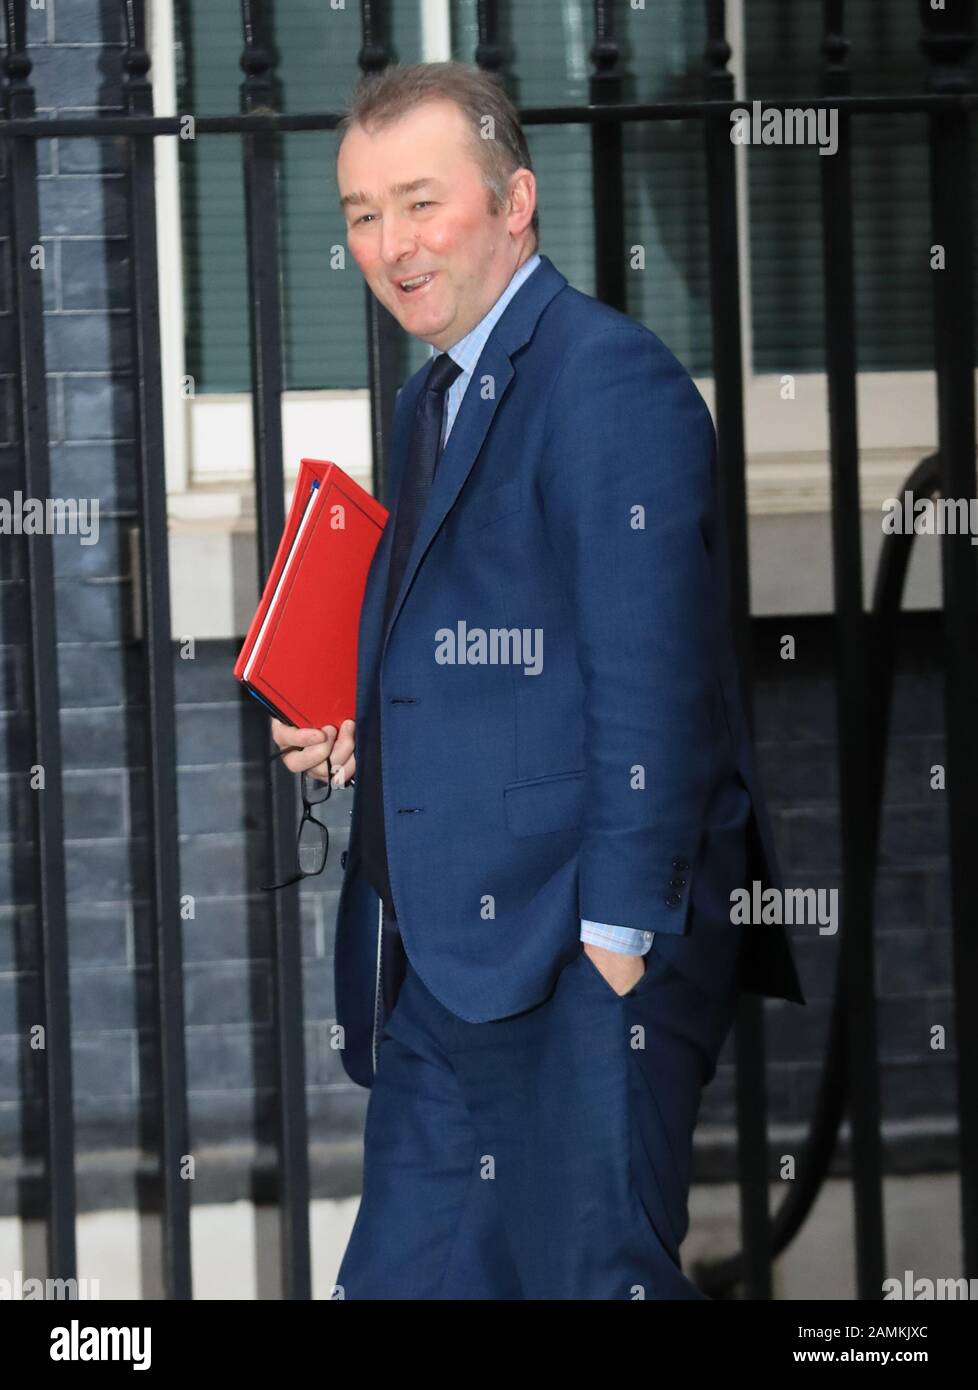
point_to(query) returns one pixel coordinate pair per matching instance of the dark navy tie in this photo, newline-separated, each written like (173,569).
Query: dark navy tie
(415,487)
(420,470)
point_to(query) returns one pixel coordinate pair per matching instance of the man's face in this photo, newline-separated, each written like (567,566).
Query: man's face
(440,225)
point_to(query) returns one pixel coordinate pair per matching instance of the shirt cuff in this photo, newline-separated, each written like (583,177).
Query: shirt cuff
(630,941)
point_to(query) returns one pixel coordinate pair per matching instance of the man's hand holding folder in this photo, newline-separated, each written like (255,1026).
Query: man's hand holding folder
(315,751)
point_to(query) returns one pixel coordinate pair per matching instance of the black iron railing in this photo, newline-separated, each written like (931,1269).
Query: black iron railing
(865,658)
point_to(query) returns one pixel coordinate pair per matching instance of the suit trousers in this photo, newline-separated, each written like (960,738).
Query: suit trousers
(545,1155)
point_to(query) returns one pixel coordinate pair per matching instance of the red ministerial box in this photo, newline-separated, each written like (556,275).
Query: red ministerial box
(300,655)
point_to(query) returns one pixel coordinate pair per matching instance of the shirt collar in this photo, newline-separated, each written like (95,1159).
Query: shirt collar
(461,352)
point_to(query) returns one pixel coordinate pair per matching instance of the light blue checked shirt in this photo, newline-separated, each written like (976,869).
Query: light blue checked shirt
(466,352)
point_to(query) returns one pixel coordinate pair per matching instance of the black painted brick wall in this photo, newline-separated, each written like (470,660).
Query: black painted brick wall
(797,758)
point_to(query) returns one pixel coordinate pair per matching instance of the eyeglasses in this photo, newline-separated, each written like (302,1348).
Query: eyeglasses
(312,841)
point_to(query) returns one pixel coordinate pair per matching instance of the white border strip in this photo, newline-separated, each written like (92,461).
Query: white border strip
(169,241)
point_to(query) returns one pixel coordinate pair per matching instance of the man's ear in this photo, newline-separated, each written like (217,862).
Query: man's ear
(525,180)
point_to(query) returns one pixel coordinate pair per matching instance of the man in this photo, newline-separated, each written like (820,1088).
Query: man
(536,964)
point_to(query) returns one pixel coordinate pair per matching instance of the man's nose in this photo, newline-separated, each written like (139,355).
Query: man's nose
(396,240)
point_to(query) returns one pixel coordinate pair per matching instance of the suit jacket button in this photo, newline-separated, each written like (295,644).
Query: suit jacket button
(343,859)
(679,864)
(677,883)
(673,899)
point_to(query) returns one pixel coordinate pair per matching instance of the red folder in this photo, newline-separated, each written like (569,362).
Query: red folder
(300,655)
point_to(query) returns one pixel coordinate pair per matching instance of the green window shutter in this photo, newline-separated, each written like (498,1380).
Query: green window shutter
(324,309)
(665,184)
(664,174)
(891,195)
(211,206)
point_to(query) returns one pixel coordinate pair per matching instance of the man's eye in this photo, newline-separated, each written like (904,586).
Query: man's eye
(423,203)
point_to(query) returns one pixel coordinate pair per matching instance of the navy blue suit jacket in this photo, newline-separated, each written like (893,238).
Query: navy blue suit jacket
(575,499)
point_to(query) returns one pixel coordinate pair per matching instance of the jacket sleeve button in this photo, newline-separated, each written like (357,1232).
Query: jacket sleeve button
(672,900)
(679,864)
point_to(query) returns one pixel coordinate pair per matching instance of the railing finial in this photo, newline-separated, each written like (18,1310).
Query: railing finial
(17,63)
(605,82)
(836,73)
(719,81)
(257,58)
(137,87)
(948,37)
(374,54)
(489,52)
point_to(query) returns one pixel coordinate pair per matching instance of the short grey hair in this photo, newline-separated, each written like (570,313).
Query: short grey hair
(383,97)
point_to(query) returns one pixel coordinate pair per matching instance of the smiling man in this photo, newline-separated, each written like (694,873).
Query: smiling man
(430,247)
(535,961)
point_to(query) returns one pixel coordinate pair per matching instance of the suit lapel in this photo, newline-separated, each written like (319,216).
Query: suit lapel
(513,331)
(372,606)
(479,406)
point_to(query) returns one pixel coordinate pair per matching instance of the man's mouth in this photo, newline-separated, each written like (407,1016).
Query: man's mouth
(415,284)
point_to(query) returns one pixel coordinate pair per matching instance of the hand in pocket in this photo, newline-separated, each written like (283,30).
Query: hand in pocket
(619,971)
